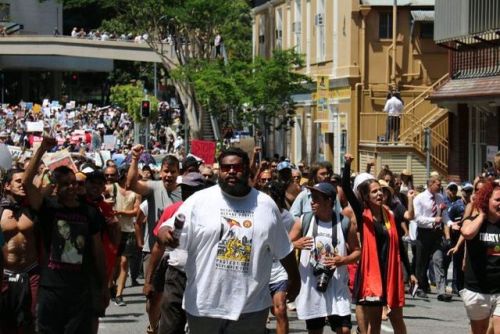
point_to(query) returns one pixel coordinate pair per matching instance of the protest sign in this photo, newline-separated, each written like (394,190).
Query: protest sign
(34,126)
(204,149)
(105,155)
(28,105)
(37,108)
(247,144)
(109,142)
(45,103)
(5,157)
(60,158)
(18,153)
(54,104)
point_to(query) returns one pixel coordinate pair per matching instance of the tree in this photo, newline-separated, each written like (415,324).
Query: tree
(130,97)
(233,85)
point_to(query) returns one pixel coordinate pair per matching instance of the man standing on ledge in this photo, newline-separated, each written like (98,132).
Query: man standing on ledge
(231,233)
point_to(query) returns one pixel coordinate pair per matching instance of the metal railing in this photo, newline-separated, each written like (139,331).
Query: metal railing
(417,115)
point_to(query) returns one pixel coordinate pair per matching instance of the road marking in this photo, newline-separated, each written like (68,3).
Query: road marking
(387,328)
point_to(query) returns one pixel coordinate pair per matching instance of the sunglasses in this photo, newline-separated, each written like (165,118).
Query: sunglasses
(226,168)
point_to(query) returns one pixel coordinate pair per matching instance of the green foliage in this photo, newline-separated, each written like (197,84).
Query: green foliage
(129,97)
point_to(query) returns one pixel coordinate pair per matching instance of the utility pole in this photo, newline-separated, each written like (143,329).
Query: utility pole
(394,37)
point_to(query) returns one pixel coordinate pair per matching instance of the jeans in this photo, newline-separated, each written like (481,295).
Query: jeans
(429,245)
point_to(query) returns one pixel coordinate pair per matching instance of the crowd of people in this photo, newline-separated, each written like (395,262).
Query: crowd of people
(223,245)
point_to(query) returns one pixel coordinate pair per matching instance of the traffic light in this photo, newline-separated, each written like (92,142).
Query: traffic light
(145,108)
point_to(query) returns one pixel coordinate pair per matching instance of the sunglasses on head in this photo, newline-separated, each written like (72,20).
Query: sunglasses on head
(226,168)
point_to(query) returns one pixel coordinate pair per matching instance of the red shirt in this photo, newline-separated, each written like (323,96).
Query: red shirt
(167,214)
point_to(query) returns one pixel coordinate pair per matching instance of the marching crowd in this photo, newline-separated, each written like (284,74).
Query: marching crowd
(222,244)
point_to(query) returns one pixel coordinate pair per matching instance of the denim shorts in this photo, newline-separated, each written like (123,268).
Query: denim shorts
(480,306)
(280,286)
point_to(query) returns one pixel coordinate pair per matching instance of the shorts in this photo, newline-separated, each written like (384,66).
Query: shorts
(480,306)
(280,286)
(128,246)
(247,323)
(336,322)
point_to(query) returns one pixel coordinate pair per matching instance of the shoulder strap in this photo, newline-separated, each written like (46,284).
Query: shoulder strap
(306,222)
(115,190)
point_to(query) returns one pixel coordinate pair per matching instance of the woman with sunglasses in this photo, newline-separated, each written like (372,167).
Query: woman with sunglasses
(379,278)
(481,295)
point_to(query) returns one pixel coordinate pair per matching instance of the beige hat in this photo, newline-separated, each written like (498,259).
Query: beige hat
(384,184)
(406,172)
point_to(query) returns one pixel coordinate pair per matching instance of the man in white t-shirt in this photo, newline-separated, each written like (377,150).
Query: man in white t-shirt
(231,234)
(393,107)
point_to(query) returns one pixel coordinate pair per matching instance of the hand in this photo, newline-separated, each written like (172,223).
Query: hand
(137,150)
(334,261)
(48,143)
(348,158)
(413,279)
(371,163)
(292,290)
(303,243)
(148,290)
(438,222)
(411,194)
(166,235)
(256,149)
(452,251)
(447,244)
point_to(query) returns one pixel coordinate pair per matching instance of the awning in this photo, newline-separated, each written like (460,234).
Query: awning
(474,88)
(422,15)
(400,2)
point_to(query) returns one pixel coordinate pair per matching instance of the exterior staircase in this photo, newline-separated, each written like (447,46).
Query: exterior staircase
(207,126)
(410,152)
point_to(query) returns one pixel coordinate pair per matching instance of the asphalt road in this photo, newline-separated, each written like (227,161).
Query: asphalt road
(421,316)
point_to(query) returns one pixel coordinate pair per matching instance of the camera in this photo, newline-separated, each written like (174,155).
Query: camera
(323,275)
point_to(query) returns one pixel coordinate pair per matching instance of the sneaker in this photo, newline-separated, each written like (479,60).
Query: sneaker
(444,298)
(135,283)
(112,292)
(119,301)
(421,294)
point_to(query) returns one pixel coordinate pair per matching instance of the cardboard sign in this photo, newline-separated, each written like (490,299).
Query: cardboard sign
(54,104)
(246,144)
(57,159)
(77,135)
(204,149)
(109,142)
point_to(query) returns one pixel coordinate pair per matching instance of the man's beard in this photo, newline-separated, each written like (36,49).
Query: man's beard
(240,189)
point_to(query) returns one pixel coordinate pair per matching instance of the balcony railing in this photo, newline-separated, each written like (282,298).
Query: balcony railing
(473,61)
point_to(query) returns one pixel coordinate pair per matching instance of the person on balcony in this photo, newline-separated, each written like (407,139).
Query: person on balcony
(393,107)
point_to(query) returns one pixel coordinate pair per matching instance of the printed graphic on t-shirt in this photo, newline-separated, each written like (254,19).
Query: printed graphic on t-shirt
(68,242)
(492,242)
(235,247)
(323,248)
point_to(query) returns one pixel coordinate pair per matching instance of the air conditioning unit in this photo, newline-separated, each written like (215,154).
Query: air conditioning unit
(297,27)
(319,19)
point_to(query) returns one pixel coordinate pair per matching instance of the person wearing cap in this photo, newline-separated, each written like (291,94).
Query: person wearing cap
(231,234)
(379,277)
(320,171)
(70,236)
(326,249)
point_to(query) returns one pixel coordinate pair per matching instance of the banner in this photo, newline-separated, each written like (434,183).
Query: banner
(19,153)
(204,149)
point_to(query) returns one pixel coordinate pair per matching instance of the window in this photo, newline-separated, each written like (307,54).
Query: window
(262,34)
(427,30)
(279,29)
(385,25)
(319,21)
(297,25)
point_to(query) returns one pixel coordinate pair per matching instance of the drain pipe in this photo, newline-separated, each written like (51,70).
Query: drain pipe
(394,37)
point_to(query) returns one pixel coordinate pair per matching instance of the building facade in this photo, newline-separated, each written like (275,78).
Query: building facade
(354,59)
(470,31)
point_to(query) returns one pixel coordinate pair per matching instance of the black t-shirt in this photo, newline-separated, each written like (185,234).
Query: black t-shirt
(482,270)
(67,235)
